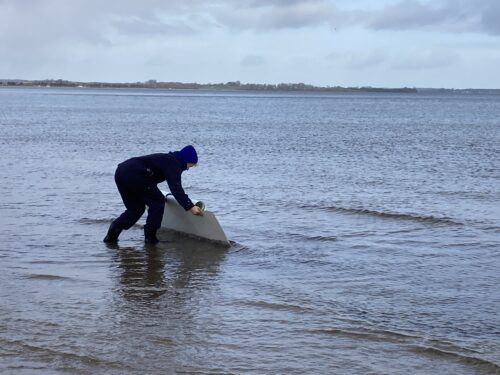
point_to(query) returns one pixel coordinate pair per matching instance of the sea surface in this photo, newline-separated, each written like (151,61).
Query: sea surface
(365,234)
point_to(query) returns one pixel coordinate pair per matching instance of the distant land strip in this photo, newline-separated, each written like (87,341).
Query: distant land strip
(236,85)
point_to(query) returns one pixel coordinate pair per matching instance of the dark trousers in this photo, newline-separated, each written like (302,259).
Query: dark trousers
(138,190)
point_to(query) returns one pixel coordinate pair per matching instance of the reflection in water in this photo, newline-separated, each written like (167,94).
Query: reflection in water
(150,271)
(141,276)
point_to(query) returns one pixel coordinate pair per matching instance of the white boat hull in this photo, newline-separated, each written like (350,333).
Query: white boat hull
(206,227)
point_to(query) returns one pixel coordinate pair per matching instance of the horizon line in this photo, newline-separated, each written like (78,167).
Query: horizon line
(304,86)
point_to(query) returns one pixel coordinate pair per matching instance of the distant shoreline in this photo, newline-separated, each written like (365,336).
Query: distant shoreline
(234,86)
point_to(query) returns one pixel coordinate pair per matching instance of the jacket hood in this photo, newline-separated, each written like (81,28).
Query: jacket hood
(189,154)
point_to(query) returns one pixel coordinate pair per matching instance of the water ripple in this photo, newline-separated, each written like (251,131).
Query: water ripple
(387,214)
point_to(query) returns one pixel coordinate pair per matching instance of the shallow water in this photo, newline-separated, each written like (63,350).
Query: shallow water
(366,232)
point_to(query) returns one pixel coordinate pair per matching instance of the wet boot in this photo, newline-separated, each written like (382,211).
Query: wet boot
(150,235)
(113,233)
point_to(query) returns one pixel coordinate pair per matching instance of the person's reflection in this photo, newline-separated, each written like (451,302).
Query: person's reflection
(141,273)
(177,267)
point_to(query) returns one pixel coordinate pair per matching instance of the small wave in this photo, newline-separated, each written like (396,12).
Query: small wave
(87,220)
(273,305)
(44,261)
(55,355)
(415,343)
(46,277)
(369,334)
(100,173)
(387,215)
(205,190)
(166,341)
(487,196)
(492,229)
(237,247)
(313,238)
(146,289)
(484,364)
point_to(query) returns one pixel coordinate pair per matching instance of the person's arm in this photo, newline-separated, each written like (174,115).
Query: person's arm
(175,186)
(172,171)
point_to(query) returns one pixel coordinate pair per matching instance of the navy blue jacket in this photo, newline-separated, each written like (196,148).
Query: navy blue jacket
(168,167)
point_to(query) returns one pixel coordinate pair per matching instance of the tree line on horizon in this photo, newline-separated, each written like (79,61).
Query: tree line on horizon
(233,85)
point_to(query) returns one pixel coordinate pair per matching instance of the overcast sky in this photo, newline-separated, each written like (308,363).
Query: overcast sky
(383,43)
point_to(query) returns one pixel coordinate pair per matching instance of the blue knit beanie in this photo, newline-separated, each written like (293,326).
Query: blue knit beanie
(189,154)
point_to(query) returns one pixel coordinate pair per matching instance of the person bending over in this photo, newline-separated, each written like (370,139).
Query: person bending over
(137,180)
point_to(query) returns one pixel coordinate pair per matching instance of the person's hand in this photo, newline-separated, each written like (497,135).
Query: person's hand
(195,210)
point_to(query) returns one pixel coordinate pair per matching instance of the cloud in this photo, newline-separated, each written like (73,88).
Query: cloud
(93,21)
(252,60)
(443,15)
(159,61)
(297,14)
(489,17)
(409,59)
(358,59)
(152,27)
(274,14)
(38,37)
(437,15)
(407,14)
(421,59)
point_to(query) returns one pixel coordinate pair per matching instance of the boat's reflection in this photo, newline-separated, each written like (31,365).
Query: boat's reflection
(174,268)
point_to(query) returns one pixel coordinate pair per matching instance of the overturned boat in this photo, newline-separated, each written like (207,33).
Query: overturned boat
(206,227)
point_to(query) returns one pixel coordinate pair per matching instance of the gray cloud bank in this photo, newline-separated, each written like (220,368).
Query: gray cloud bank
(94,21)
(446,15)
(40,36)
